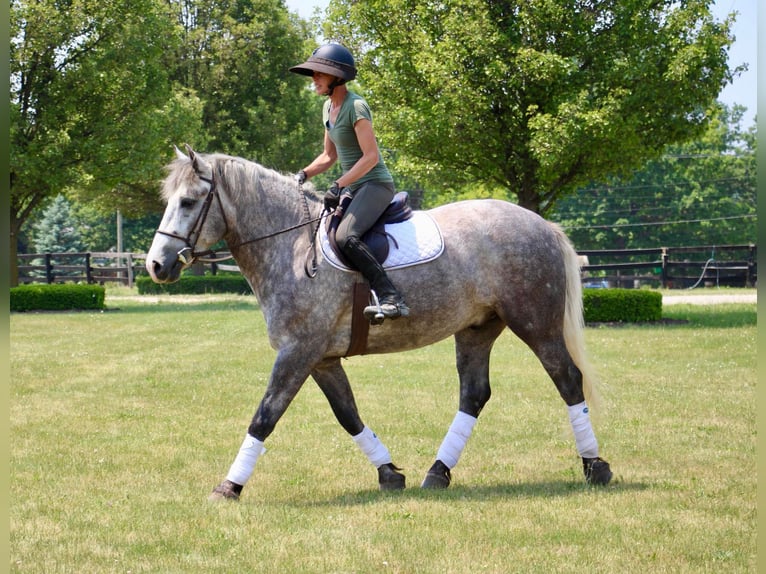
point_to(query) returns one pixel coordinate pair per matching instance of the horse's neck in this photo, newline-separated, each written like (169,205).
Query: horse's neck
(268,226)
(263,201)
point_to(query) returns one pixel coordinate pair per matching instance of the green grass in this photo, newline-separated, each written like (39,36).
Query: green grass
(123,421)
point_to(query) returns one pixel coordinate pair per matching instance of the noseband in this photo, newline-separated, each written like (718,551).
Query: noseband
(187,254)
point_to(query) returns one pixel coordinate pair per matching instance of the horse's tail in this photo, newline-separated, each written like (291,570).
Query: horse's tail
(574,322)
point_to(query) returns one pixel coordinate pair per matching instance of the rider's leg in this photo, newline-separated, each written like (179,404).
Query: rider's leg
(368,204)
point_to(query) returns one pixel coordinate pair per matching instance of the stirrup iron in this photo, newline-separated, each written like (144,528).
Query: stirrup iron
(378,317)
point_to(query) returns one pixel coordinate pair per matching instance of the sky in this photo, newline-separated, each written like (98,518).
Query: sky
(742,91)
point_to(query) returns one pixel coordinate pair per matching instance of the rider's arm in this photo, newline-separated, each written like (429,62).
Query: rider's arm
(324,160)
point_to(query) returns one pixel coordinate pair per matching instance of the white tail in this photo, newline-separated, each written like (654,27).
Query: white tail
(574,322)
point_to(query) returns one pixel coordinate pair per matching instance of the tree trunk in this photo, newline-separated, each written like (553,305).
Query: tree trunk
(13,250)
(529,200)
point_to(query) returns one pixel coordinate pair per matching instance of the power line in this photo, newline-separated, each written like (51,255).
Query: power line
(643,211)
(671,184)
(657,223)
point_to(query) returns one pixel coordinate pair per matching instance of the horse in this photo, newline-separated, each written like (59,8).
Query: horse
(502,266)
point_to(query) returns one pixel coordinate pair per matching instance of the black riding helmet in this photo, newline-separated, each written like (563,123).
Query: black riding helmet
(332,59)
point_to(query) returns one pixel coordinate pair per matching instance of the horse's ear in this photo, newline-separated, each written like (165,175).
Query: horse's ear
(179,153)
(200,166)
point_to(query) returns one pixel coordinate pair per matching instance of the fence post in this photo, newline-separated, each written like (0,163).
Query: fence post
(664,278)
(129,262)
(48,269)
(88,269)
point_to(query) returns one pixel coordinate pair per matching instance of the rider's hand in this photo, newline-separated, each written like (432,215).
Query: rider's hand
(300,177)
(332,197)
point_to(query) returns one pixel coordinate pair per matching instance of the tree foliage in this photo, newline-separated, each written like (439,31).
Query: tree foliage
(235,56)
(91,104)
(102,89)
(90,95)
(534,97)
(699,193)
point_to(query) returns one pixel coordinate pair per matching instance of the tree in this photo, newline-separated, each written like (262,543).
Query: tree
(534,97)
(699,193)
(99,229)
(235,56)
(92,106)
(58,230)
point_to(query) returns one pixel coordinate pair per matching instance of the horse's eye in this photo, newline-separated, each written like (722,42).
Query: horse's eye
(187,202)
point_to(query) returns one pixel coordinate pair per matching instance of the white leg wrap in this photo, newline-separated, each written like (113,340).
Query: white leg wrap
(370,445)
(457,436)
(243,466)
(585,440)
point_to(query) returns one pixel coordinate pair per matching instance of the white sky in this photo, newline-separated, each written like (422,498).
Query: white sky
(744,89)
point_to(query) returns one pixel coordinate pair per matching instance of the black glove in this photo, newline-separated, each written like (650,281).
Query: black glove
(332,197)
(300,177)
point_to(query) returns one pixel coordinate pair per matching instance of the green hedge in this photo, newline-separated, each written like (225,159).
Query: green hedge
(621,305)
(63,297)
(195,285)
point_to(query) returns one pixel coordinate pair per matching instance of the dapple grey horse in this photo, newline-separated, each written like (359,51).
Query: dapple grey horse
(501,266)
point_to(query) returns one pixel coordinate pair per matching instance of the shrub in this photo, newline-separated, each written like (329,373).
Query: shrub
(63,297)
(196,285)
(621,305)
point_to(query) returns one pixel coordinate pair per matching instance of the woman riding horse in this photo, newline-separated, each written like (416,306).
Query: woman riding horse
(349,136)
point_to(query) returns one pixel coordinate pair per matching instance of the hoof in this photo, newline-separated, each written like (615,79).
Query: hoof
(596,471)
(438,476)
(389,477)
(227,490)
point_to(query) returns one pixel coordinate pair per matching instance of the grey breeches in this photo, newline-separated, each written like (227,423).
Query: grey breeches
(369,202)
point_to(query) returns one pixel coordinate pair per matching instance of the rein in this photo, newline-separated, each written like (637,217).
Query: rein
(187,254)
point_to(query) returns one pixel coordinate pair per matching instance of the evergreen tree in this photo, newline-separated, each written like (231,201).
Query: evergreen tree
(58,230)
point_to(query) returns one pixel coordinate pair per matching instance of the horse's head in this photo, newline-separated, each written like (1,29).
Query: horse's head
(193,219)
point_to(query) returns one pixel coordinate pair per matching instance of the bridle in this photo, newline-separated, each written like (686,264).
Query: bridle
(187,255)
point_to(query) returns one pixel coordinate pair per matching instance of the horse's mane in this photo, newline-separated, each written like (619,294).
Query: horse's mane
(240,175)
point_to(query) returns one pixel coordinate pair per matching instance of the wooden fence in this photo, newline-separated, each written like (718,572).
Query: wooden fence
(94,267)
(80,267)
(672,267)
(668,267)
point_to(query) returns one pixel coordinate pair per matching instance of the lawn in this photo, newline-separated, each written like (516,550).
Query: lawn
(123,421)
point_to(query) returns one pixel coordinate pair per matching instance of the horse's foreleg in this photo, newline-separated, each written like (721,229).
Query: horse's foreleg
(472,347)
(287,377)
(333,381)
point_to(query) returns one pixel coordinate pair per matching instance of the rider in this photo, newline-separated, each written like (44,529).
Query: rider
(349,137)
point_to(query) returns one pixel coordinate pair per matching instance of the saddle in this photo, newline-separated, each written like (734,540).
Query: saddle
(375,238)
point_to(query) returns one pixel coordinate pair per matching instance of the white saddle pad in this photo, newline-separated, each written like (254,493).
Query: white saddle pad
(418,240)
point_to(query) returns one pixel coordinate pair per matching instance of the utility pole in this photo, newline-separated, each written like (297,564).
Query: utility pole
(119,240)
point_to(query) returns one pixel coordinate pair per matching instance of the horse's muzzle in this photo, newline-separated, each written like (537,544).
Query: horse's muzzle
(168,272)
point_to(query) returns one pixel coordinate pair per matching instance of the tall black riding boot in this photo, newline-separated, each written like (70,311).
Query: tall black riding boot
(390,302)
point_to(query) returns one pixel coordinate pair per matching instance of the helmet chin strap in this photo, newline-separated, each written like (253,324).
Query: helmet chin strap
(334,84)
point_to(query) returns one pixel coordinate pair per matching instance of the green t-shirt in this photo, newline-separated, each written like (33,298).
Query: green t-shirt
(342,134)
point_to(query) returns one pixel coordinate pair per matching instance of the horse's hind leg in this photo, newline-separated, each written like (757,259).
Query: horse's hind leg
(472,348)
(568,379)
(332,379)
